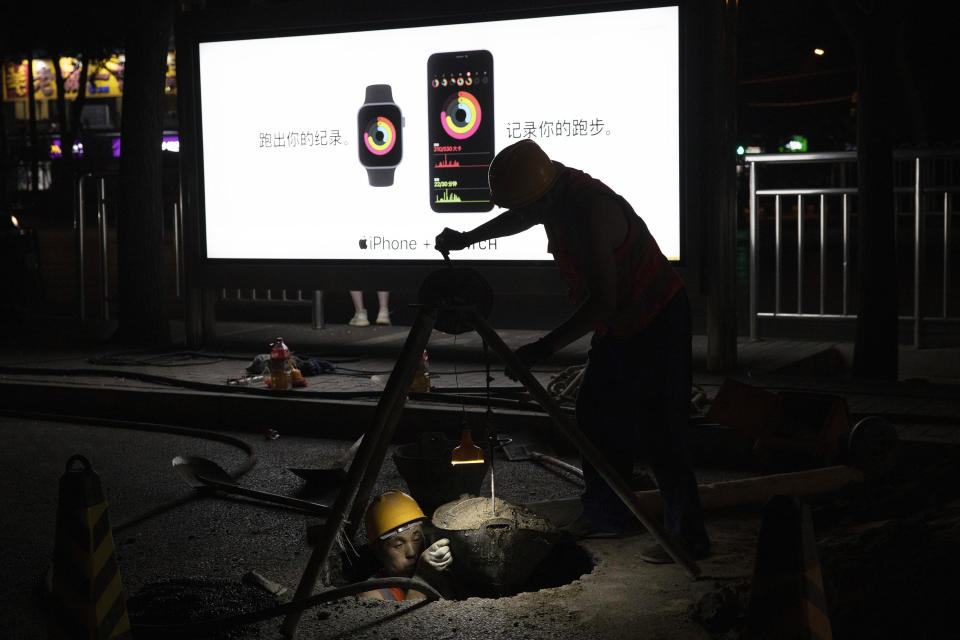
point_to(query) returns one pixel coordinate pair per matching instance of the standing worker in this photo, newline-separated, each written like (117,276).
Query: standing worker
(636,386)
(394,533)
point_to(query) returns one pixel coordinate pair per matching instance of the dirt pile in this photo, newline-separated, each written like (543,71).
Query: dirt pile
(472,513)
(895,578)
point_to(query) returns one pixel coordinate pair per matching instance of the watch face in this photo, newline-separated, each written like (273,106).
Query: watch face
(380,135)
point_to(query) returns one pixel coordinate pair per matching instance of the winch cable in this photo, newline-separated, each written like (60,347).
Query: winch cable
(491,434)
(239,471)
(456,381)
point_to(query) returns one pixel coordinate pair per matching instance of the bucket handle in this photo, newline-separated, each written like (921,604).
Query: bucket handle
(497,523)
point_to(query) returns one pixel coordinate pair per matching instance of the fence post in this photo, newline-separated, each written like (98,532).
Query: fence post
(917,250)
(799,254)
(81,275)
(777,252)
(318,321)
(176,248)
(823,251)
(846,252)
(754,324)
(946,252)
(102,233)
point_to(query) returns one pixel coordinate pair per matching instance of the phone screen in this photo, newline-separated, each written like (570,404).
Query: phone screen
(460,101)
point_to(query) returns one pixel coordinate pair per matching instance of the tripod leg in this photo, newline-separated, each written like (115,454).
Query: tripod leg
(404,371)
(589,451)
(366,465)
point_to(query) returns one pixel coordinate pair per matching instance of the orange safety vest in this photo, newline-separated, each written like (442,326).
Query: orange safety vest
(390,593)
(646,281)
(393,593)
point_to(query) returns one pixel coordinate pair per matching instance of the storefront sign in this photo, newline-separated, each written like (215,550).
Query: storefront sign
(106,80)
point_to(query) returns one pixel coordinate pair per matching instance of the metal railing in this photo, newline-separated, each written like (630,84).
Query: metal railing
(100,185)
(927,180)
(254,295)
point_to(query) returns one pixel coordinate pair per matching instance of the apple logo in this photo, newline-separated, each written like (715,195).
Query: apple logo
(363,243)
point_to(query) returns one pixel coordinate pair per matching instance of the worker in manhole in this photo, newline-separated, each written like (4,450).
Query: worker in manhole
(635,392)
(394,533)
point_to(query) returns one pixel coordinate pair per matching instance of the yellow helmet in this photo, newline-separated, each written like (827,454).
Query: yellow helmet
(390,513)
(520,174)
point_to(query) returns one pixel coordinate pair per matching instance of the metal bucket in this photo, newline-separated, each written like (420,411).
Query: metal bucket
(493,555)
(432,480)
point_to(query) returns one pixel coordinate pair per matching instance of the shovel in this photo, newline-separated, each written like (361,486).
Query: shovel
(521,452)
(322,479)
(202,473)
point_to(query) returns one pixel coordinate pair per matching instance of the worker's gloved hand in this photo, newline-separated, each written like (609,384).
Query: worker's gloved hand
(450,240)
(438,555)
(530,354)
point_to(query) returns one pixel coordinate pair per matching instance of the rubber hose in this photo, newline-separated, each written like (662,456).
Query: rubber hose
(207,626)
(248,390)
(242,469)
(189,629)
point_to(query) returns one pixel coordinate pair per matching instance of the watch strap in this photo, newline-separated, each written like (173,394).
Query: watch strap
(380,177)
(378,93)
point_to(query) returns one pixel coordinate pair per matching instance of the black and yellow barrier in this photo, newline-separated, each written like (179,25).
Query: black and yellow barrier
(813,598)
(787,599)
(87,594)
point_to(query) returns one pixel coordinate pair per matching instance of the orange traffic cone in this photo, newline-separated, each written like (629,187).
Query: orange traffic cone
(87,594)
(787,598)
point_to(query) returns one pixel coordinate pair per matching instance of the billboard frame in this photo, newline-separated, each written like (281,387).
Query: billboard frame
(506,276)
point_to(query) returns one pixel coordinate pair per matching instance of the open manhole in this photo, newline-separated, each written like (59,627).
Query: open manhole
(495,555)
(501,549)
(566,562)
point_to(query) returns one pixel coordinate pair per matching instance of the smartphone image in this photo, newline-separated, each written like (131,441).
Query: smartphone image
(460,104)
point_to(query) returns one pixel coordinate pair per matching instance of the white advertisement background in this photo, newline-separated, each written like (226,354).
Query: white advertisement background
(314,202)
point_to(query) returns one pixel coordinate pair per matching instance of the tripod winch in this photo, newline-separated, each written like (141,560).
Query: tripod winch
(451,290)
(452,300)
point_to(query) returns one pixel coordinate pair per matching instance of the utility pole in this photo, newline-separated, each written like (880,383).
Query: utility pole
(874,30)
(717,181)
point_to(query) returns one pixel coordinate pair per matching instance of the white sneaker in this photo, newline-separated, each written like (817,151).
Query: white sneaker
(383,317)
(359,319)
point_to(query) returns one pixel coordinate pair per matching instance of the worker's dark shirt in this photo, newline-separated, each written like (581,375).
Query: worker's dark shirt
(645,279)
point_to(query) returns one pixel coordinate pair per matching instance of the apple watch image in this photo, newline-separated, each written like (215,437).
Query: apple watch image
(380,135)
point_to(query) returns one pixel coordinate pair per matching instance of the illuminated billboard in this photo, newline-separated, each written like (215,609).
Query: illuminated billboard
(364,145)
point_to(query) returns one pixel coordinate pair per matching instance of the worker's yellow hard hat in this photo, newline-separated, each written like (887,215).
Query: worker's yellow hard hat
(391,513)
(520,174)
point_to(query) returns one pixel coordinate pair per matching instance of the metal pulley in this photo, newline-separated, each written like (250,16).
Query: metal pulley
(452,290)
(873,446)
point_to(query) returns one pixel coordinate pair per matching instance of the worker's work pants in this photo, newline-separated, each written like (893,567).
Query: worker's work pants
(634,401)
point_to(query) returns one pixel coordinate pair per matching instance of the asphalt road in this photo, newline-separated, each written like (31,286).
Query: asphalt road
(211,541)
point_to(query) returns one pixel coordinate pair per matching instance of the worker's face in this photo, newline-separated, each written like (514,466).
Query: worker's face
(399,554)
